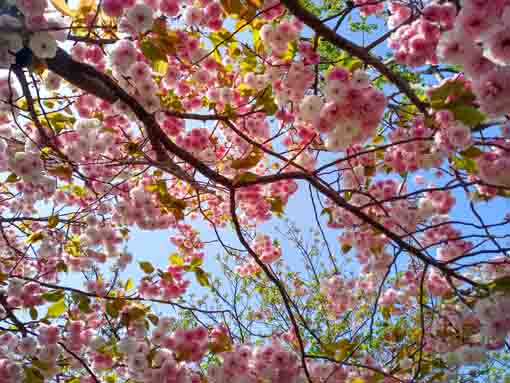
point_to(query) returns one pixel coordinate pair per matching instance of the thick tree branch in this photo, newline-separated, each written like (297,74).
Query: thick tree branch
(102,86)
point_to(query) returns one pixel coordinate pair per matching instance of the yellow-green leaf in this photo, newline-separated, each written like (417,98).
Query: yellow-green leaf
(61,171)
(250,161)
(378,140)
(33,375)
(12,178)
(244,177)
(129,284)
(146,267)
(114,307)
(33,313)
(277,206)
(176,259)
(35,237)
(469,115)
(471,152)
(196,262)
(53,296)
(52,221)
(231,7)
(57,309)
(202,277)
(136,313)
(501,284)
(153,318)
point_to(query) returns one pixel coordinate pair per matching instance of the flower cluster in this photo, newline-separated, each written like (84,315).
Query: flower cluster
(273,362)
(336,291)
(266,249)
(493,166)
(485,56)
(352,110)
(10,43)
(370,7)
(416,43)
(414,150)
(278,36)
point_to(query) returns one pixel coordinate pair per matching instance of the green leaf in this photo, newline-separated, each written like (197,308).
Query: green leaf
(251,160)
(155,55)
(338,350)
(386,312)
(277,206)
(467,164)
(354,65)
(266,102)
(196,262)
(244,177)
(41,365)
(146,267)
(61,267)
(249,63)
(291,51)
(153,318)
(151,51)
(501,284)
(471,152)
(33,375)
(346,248)
(129,284)
(378,140)
(114,307)
(469,115)
(160,66)
(33,313)
(202,277)
(245,90)
(258,44)
(133,149)
(52,221)
(170,203)
(369,171)
(35,237)
(329,214)
(12,178)
(176,259)
(53,296)
(439,95)
(84,304)
(57,309)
